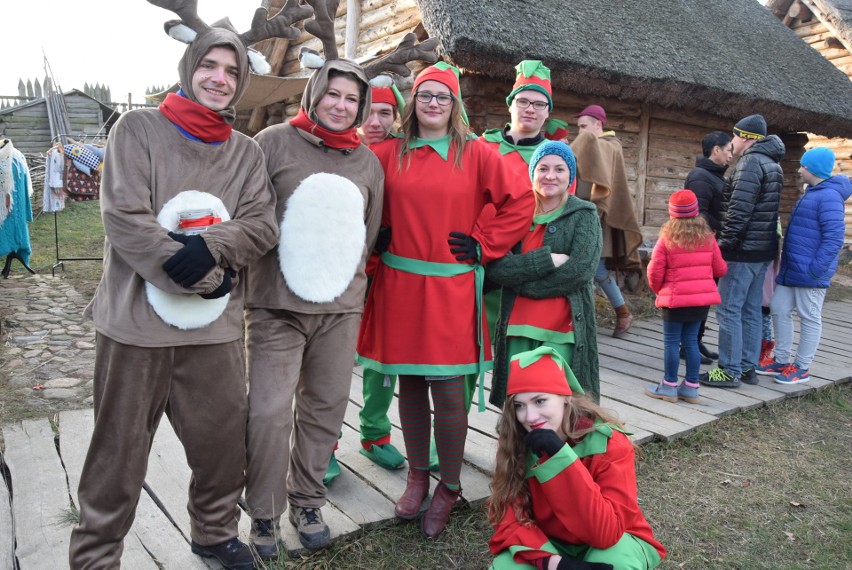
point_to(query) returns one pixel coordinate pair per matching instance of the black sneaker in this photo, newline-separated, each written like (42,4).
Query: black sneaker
(718,378)
(264,538)
(313,532)
(704,359)
(232,554)
(749,377)
(706,352)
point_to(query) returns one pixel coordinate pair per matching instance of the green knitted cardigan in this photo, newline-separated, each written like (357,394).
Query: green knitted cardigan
(577,233)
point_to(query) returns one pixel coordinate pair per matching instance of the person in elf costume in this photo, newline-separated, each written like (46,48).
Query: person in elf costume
(530,104)
(169,308)
(378,388)
(564,491)
(423,319)
(547,279)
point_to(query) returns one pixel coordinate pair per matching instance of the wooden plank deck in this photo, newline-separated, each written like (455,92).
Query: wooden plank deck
(45,458)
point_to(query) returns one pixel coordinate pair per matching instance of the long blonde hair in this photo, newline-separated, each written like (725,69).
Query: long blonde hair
(457,129)
(509,488)
(687,233)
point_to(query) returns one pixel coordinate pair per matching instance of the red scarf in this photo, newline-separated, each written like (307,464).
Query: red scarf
(195,118)
(334,139)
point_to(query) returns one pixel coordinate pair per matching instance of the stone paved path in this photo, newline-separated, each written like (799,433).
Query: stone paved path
(47,348)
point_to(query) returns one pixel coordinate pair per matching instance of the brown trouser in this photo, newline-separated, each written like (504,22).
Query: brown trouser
(202,390)
(308,358)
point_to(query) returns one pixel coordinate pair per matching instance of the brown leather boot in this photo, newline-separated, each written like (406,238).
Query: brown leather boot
(438,514)
(416,489)
(623,321)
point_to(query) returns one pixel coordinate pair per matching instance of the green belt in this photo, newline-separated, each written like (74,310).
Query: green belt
(432,269)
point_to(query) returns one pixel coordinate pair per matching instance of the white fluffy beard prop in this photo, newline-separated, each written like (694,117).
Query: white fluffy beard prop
(322,237)
(187,311)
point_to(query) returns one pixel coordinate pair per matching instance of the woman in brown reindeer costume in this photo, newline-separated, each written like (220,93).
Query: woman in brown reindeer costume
(306,296)
(186,205)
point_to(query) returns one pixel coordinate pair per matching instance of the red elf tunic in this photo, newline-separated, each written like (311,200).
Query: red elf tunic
(548,319)
(422,324)
(583,495)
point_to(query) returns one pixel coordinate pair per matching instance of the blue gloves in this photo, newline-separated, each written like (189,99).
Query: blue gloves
(191,263)
(463,247)
(541,441)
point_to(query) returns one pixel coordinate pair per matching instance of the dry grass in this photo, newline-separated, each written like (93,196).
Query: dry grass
(763,489)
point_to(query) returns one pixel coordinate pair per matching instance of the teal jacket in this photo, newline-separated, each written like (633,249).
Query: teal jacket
(576,233)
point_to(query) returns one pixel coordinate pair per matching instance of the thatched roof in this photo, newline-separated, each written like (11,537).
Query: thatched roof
(730,58)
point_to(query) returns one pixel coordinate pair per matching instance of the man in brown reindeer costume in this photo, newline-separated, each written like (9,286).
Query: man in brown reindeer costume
(186,205)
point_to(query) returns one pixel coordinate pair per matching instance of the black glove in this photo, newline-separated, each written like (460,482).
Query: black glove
(192,262)
(568,564)
(224,288)
(382,240)
(543,440)
(463,246)
(182,238)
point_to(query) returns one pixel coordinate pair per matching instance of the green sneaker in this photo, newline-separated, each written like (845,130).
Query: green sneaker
(333,471)
(718,378)
(434,466)
(386,456)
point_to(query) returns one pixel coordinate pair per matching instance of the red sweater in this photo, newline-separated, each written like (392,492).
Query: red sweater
(585,494)
(684,278)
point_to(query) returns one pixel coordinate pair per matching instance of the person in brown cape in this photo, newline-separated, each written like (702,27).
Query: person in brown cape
(602,179)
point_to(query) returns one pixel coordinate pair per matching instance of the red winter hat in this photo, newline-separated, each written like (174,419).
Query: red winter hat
(683,204)
(594,111)
(541,370)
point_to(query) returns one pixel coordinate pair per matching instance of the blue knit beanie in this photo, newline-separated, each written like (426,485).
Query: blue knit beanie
(558,148)
(819,161)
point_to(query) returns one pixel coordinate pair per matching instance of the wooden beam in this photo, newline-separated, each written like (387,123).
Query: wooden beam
(642,164)
(828,23)
(353,19)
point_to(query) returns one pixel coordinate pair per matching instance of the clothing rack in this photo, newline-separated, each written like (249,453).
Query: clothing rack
(60,129)
(60,261)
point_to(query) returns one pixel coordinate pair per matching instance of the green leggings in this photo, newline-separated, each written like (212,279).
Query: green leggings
(629,553)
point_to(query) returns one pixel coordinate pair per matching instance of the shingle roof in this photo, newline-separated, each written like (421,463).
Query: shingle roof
(730,58)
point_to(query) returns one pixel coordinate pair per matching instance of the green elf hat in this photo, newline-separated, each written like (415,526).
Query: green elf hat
(555,129)
(448,75)
(541,370)
(532,75)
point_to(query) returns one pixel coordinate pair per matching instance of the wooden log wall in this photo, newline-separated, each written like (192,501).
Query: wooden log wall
(660,145)
(819,37)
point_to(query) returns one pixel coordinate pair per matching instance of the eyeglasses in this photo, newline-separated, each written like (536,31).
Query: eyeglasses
(425,97)
(537,105)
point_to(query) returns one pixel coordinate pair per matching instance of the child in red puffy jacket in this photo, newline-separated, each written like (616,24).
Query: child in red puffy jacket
(681,272)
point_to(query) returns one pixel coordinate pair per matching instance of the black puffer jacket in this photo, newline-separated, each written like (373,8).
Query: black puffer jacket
(706,180)
(750,200)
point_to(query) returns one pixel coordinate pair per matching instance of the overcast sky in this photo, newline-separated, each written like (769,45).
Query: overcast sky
(118,43)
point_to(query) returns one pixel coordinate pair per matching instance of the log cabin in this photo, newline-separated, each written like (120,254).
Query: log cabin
(666,72)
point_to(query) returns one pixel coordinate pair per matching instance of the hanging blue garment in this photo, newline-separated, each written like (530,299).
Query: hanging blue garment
(14,232)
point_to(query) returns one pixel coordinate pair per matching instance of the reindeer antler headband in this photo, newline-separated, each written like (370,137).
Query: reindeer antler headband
(262,27)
